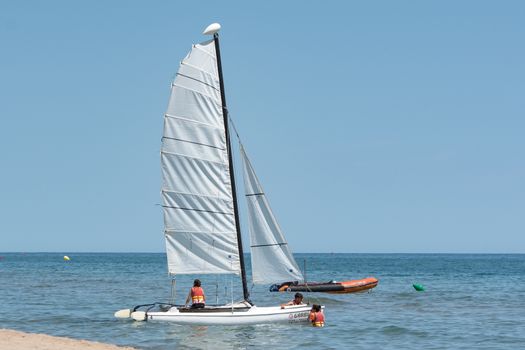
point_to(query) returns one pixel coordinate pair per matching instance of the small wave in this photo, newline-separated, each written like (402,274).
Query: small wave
(43,285)
(396,330)
(325,301)
(485,274)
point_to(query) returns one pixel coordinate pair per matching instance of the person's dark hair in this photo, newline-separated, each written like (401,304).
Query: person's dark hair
(197,283)
(316,308)
(298,295)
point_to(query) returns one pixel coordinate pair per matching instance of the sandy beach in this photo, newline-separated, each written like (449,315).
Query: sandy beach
(14,340)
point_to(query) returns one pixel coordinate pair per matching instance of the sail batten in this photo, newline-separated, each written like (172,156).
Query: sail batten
(193,142)
(196,193)
(193,157)
(272,259)
(197,80)
(196,91)
(208,74)
(268,245)
(187,120)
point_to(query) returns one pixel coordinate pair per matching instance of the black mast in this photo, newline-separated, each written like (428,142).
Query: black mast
(232,177)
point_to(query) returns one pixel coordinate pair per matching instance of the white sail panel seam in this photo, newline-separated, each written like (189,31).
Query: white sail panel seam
(200,195)
(198,81)
(267,245)
(199,210)
(196,195)
(172,230)
(199,93)
(195,46)
(189,157)
(192,121)
(211,74)
(199,271)
(199,70)
(194,143)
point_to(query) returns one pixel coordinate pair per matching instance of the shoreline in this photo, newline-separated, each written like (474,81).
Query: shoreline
(17,340)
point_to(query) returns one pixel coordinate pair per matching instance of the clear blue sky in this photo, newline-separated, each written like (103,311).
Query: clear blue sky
(387,126)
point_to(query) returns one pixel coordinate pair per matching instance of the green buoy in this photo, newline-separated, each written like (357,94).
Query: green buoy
(419,287)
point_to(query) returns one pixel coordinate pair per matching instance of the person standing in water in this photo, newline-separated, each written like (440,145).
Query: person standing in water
(196,295)
(316,316)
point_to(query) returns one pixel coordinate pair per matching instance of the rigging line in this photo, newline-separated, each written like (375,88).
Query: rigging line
(197,80)
(193,142)
(255,194)
(316,299)
(199,210)
(267,245)
(235,129)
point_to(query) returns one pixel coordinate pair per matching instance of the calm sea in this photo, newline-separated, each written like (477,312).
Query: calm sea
(470,302)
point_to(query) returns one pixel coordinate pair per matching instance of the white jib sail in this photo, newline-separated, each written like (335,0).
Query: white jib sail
(272,259)
(199,222)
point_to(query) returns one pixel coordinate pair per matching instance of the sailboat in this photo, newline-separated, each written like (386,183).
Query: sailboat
(199,201)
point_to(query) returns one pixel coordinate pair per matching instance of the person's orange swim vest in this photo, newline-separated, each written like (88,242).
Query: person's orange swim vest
(317,319)
(197,295)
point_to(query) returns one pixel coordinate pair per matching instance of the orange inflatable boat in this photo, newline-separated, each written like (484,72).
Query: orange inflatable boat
(333,287)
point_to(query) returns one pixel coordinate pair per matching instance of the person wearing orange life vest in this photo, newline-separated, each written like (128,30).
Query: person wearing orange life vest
(196,295)
(316,316)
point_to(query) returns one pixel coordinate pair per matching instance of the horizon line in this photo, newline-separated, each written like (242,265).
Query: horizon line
(248,253)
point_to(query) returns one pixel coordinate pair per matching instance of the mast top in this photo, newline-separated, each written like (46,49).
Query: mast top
(212,29)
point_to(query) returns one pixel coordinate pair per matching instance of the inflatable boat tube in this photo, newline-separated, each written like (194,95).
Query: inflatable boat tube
(333,287)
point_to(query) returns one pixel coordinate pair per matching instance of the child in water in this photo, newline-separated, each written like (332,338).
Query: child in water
(316,316)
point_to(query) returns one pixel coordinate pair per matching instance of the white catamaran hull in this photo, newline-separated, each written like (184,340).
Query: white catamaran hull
(254,315)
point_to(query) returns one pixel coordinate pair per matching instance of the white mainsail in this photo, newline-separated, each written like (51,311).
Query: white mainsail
(272,259)
(199,222)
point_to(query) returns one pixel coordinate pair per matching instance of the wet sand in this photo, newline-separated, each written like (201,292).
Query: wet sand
(15,340)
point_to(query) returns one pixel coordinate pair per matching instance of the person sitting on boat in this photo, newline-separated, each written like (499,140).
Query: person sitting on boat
(297,300)
(316,316)
(196,295)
